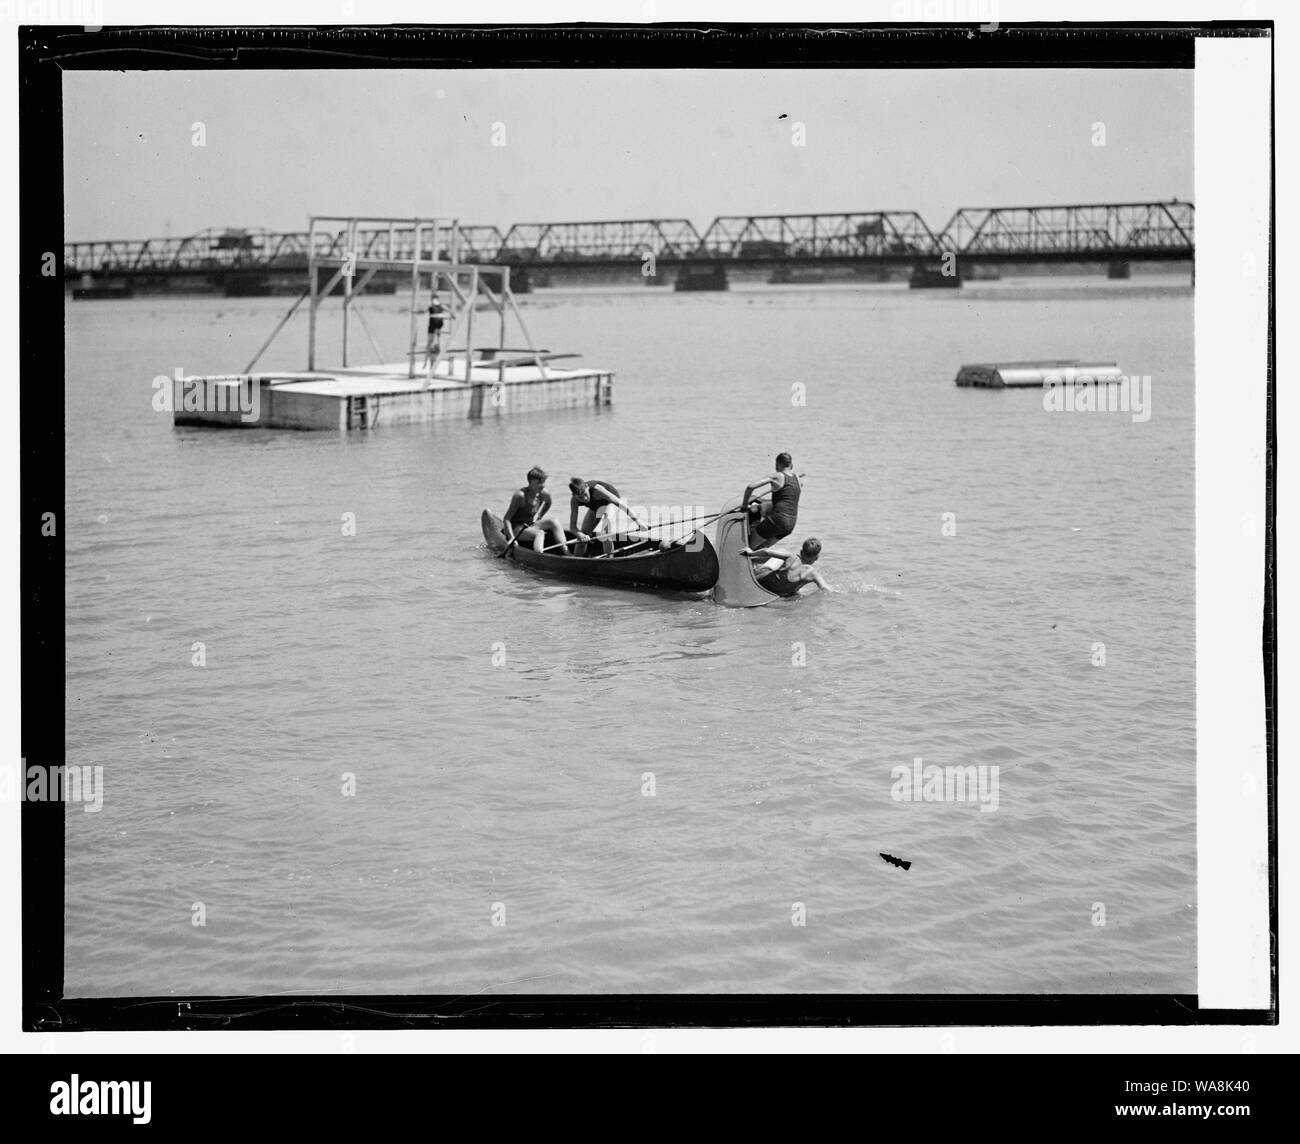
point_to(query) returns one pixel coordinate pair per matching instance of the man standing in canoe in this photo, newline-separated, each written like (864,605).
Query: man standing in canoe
(787,574)
(597,497)
(525,518)
(779,517)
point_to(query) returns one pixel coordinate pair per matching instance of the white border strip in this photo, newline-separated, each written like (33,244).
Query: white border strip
(1232,274)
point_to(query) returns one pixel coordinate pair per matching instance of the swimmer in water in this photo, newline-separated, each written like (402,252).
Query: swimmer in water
(785,573)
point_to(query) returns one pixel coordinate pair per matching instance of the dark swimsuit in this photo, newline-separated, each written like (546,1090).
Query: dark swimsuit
(522,517)
(785,511)
(779,581)
(598,499)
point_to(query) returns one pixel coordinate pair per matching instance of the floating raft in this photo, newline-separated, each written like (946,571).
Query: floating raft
(367,397)
(1033,374)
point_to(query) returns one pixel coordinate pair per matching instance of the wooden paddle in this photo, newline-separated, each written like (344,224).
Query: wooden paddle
(579,540)
(515,540)
(616,553)
(673,544)
(553,547)
(548,548)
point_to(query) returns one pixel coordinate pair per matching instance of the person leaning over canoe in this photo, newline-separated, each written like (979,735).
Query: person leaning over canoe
(598,497)
(780,516)
(793,573)
(525,518)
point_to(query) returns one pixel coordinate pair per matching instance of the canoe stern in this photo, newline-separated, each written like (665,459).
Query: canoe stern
(737,585)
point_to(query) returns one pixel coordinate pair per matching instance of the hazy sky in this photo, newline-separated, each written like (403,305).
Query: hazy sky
(609,144)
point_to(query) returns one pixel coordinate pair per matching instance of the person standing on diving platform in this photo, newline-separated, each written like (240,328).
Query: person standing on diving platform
(437,314)
(777,519)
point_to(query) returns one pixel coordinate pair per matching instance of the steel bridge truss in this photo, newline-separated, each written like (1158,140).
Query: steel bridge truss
(1131,230)
(209,250)
(1156,231)
(878,235)
(613,241)
(399,241)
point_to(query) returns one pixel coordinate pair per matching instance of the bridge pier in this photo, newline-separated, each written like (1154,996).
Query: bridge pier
(246,286)
(934,276)
(1119,270)
(91,286)
(701,276)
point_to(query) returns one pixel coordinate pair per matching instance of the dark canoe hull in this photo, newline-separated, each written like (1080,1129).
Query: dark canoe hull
(692,567)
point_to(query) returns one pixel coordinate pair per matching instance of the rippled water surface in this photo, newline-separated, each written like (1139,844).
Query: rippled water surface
(521,782)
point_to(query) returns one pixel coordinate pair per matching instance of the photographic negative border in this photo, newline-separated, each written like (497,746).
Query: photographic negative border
(45,53)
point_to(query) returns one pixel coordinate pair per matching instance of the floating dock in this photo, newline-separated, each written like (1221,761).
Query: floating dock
(1034,374)
(383,396)
(445,375)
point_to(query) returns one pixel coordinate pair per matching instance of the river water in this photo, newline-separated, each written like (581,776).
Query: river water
(503,833)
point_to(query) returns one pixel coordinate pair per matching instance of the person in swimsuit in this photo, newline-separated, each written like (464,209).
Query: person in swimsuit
(778,518)
(597,497)
(787,574)
(437,313)
(525,517)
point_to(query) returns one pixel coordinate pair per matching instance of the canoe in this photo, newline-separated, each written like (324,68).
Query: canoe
(689,566)
(737,586)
